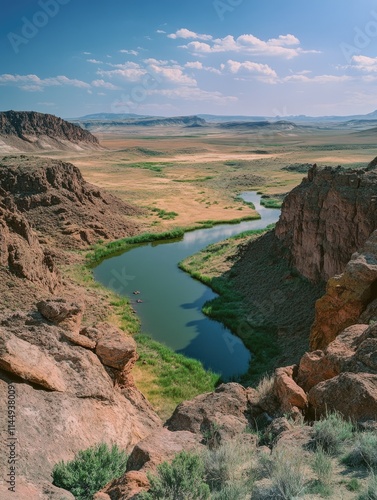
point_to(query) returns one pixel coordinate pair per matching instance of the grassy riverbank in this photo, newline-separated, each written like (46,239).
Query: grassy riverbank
(211,266)
(102,251)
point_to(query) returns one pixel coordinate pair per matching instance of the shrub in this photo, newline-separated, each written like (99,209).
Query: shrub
(323,467)
(331,432)
(371,490)
(232,492)
(288,474)
(183,479)
(364,451)
(90,470)
(228,467)
(265,386)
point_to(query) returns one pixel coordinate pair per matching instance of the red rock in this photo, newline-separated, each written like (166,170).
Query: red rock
(314,367)
(115,348)
(227,410)
(346,297)
(67,315)
(354,395)
(29,362)
(326,219)
(287,391)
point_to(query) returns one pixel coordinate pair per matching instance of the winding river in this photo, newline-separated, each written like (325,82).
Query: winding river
(170,310)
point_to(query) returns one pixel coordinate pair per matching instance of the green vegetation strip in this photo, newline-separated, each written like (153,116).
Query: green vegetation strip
(101,251)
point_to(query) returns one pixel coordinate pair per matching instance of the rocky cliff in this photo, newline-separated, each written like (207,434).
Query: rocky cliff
(327,218)
(31,131)
(56,200)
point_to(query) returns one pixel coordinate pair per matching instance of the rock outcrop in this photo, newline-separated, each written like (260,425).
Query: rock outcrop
(56,201)
(20,250)
(68,398)
(347,296)
(32,131)
(327,218)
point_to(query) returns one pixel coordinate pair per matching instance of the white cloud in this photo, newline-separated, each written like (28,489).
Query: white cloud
(32,83)
(286,46)
(185,33)
(324,79)
(128,71)
(172,74)
(194,94)
(131,52)
(87,53)
(105,85)
(200,66)
(94,61)
(364,63)
(161,32)
(261,71)
(194,65)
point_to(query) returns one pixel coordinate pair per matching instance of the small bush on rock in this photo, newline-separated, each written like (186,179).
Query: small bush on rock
(183,479)
(90,470)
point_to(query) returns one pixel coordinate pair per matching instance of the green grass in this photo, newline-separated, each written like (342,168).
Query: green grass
(176,377)
(198,179)
(163,214)
(271,202)
(205,224)
(364,451)
(147,165)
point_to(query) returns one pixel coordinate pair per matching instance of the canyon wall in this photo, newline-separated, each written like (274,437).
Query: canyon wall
(327,218)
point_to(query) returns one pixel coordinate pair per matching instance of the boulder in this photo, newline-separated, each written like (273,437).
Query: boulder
(226,411)
(287,391)
(67,315)
(354,395)
(116,349)
(314,367)
(29,362)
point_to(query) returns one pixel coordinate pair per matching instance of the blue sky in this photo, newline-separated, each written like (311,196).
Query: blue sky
(171,57)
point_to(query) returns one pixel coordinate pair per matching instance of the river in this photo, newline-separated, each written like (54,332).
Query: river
(170,310)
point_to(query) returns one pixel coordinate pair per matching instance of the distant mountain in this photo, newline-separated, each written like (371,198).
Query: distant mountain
(153,121)
(131,119)
(111,116)
(32,131)
(257,125)
(292,118)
